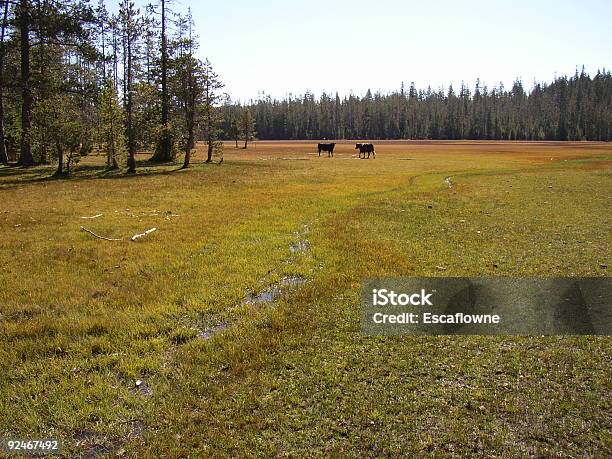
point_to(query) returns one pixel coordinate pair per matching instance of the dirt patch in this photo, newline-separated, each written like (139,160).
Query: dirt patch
(97,451)
(99,447)
(141,388)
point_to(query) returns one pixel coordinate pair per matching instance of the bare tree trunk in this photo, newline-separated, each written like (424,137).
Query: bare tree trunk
(43,146)
(115,61)
(69,161)
(111,155)
(131,163)
(164,82)
(26,158)
(190,144)
(103,32)
(209,138)
(3,150)
(60,158)
(210,150)
(165,151)
(187,156)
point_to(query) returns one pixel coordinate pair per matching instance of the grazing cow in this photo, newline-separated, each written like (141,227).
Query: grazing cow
(365,148)
(328,147)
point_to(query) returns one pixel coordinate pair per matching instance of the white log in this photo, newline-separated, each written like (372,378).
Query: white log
(149,231)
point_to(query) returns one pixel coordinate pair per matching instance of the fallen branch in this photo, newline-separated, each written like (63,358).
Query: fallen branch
(98,236)
(94,216)
(149,231)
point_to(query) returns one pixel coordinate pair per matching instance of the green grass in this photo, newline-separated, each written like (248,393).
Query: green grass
(82,319)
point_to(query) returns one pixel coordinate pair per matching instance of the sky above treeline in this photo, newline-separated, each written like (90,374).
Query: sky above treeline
(278,47)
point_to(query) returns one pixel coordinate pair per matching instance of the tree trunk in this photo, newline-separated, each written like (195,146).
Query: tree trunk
(187,157)
(236,139)
(165,150)
(60,158)
(209,129)
(26,158)
(190,142)
(42,68)
(164,83)
(111,158)
(210,150)
(131,162)
(3,149)
(115,62)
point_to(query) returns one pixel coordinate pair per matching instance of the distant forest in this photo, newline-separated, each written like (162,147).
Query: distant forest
(574,108)
(77,78)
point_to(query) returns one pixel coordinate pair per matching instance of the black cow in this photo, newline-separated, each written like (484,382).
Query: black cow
(365,148)
(328,147)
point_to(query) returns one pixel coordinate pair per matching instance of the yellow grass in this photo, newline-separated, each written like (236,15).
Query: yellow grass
(81,319)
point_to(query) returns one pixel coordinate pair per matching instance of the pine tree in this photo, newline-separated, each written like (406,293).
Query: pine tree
(3,27)
(24,13)
(165,151)
(130,26)
(247,126)
(234,131)
(211,115)
(111,131)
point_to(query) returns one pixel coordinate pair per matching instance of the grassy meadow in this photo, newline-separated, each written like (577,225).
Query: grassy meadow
(83,319)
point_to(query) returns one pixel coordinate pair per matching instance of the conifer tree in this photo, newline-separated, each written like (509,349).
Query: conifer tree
(111,133)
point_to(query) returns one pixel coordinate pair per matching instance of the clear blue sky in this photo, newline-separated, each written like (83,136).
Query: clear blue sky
(290,46)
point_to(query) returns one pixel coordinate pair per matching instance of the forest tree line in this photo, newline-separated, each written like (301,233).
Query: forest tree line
(75,77)
(570,108)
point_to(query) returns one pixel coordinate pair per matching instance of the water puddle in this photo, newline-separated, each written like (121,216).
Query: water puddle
(275,290)
(293,281)
(300,247)
(210,331)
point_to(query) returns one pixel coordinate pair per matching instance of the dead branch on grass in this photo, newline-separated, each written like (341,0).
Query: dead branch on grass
(137,236)
(98,236)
